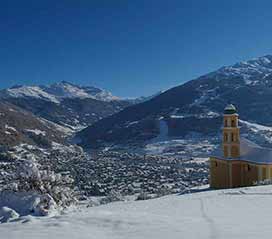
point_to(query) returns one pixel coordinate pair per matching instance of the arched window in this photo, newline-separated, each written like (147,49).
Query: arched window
(233,123)
(232,137)
(225,137)
(226,154)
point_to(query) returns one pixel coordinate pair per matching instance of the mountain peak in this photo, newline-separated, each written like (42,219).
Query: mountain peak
(65,89)
(249,70)
(64,82)
(16,86)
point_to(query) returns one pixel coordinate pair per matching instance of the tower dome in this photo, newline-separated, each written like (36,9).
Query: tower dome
(230,109)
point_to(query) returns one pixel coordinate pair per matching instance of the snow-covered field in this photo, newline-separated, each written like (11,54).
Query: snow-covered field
(236,213)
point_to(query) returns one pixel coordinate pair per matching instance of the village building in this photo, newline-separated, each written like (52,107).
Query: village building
(240,162)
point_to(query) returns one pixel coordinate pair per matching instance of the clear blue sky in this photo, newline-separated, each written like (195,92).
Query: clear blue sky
(130,47)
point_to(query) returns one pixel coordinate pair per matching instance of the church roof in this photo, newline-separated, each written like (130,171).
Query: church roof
(230,109)
(250,152)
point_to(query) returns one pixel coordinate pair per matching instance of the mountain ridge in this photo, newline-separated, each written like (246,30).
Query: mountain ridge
(66,103)
(57,91)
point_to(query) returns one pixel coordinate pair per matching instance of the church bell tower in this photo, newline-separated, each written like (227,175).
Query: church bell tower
(231,133)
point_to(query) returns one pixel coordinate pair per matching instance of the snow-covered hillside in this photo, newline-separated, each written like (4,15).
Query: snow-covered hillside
(235,213)
(248,69)
(30,91)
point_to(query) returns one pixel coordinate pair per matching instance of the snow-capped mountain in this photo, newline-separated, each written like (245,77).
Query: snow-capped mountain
(260,67)
(58,91)
(68,90)
(29,91)
(65,103)
(194,107)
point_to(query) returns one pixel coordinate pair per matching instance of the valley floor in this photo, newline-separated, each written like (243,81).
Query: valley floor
(235,213)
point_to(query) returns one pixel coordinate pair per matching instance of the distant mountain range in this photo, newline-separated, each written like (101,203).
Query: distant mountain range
(193,107)
(61,107)
(65,103)
(59,91)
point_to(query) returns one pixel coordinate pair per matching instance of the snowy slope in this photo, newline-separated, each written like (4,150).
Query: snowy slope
(257,133)
(19,126)
(31,91)
(256,127)
(235,213)
(248,69)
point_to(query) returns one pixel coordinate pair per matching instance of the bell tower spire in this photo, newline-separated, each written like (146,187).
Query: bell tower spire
(231,133)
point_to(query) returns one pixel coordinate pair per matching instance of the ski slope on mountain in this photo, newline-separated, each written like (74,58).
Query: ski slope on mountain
(235,213)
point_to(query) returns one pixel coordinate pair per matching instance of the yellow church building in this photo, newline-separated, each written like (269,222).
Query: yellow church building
(240,162)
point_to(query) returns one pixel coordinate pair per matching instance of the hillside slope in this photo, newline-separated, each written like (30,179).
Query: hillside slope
(19,126)
(234,213)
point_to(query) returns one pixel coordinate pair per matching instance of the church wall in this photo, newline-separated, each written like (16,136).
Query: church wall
(265,172)
(219,173)
(249,174)
(236,173)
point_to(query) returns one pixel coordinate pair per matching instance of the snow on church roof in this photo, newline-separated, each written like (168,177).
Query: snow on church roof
(250,152)
(230,109)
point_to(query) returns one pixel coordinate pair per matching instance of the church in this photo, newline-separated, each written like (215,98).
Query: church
(240,162)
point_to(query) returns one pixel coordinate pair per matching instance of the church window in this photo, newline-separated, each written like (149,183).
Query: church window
(225,151)
(233,123)
(232,137)
(226,123)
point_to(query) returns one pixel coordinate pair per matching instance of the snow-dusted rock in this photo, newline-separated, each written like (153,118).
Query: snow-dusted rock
(44,205)
(16,204)
(7,214)
(21,202)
